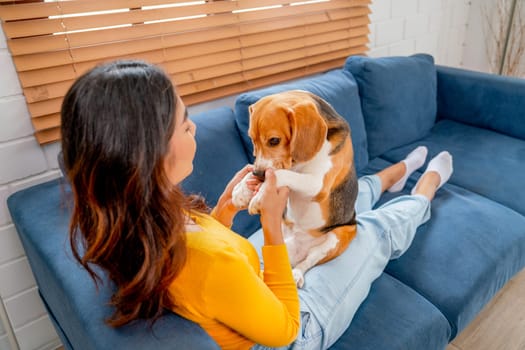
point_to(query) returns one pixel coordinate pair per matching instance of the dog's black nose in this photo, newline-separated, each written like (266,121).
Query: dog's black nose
(259,173)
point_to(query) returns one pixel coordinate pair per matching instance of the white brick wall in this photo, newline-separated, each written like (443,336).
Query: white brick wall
(25,308)
(399,27)
(404,27)
(38,334)
(4,342)
(14,119)
(10,85)
(4,214)
(23,163)
(10,246)
(29,160)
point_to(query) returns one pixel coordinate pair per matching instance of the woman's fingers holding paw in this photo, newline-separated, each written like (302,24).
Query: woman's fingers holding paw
(248,168)
(238,177)
(274,198)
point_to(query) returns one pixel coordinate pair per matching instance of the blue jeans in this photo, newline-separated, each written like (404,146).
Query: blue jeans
(333,291)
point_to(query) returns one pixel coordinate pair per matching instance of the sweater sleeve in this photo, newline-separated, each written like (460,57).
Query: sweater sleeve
(264,311)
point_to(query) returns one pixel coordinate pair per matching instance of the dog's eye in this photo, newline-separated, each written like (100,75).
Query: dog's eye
(274,141)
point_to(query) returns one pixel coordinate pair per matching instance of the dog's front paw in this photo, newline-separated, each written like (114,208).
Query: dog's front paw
(298,277)
(241,194)
(255,204)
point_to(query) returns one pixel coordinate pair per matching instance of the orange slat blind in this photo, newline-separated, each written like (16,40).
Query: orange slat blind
(210,48)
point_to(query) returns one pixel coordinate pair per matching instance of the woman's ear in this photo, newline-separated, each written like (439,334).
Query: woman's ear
(308,130)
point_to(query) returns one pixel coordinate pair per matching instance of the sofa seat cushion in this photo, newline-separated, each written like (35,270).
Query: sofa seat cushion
(337,87)
(398,98)
(220,154)
(485,162)
(395,317)
(464,254)
(41,217)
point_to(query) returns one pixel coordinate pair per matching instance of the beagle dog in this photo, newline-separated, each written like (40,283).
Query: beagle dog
(308,143)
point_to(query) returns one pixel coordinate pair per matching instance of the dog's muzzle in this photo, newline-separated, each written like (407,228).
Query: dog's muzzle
(259,173)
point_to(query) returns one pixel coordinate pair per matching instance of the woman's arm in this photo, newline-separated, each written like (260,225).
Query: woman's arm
(272,205)
(263,311)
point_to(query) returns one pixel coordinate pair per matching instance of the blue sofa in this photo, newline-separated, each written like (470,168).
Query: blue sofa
(473,244)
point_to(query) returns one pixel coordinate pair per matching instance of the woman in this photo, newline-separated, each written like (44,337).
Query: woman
(128,143)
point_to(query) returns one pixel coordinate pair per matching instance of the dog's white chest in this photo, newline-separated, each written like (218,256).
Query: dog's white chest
(302,209)
(305,213)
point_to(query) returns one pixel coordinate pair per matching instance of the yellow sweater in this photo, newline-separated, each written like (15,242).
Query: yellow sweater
(222,288)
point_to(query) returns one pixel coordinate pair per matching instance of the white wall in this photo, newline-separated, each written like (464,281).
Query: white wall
(404,27)
(475,54)
(22,163)
(399,27)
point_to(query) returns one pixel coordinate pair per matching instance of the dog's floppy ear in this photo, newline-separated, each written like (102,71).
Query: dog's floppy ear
(308,131)
(251,125)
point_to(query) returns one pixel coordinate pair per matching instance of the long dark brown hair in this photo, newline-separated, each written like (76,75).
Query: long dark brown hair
(127,218)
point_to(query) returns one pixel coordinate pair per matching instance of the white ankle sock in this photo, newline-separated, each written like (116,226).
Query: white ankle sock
(413,161)
(442,164)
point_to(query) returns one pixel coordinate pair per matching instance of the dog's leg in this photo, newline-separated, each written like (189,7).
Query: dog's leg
(297,243)
(316,253)
(307,184)
(241,194)
(332,245)
(254,204)
(345,235)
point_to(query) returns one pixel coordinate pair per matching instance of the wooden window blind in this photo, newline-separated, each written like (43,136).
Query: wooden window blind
(210,48)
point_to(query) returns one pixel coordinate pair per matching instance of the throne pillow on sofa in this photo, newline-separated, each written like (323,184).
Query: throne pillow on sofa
(398,98)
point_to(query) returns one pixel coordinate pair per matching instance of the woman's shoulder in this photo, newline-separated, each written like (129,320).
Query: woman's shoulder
(219,245)
(211,253)
(214,239)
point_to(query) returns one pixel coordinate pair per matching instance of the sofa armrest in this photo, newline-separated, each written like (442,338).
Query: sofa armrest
(484,100)
(76,307)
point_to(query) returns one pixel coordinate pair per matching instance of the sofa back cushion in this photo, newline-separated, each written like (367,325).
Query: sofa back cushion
(337,87)
(220,154)
(398,98)
(484,100)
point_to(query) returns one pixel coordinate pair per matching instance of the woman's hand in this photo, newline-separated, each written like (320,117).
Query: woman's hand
(225,211)
(252,183)
(272,204)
